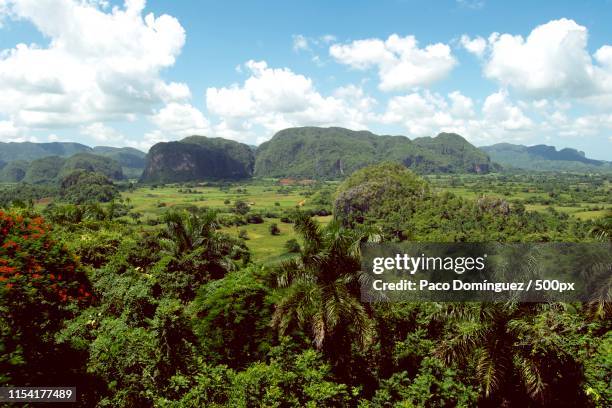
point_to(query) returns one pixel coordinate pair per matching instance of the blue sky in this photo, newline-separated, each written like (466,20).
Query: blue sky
(135,73)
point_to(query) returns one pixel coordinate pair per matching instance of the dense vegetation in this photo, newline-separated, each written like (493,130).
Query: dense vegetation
(131,160)
(327,153)
(198,158)
(52,169)
(544,158)
(154,299)
(404,206)
(28,151)
(18,155)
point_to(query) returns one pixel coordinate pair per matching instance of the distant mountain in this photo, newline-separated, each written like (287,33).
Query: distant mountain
(132,160)
(13,172)
(544,158)
(313,152)
(29,151)
(198,158)
(51,169)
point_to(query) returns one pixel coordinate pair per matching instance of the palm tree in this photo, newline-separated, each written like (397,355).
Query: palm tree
(322,288)
(185,232)
(507,344)
(193,241)
(602,228)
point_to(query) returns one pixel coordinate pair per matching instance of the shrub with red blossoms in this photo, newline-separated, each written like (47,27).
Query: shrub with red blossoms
(31,260)
(41,285)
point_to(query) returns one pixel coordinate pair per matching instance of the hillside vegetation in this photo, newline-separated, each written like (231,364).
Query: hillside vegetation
(197,158)
(544,158)
(53,168)
(29,151)
(15,155)
(311,152)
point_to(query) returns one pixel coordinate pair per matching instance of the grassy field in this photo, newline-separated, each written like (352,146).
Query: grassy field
(262,197)
(269,197)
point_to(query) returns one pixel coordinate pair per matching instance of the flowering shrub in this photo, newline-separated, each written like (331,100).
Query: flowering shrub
(41,285)
(33,263)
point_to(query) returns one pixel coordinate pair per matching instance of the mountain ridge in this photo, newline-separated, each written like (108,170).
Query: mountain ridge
(543,158)
(316,152)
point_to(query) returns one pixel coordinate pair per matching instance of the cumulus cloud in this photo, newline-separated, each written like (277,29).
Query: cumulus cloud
(98,65)
(400,62)
(275,98)
(10,133)
(181,119)
(476,46)
(102,133)
(425,113)
(553,61)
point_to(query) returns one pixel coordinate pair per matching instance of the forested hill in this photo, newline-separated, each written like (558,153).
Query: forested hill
(198,158)
(314,152)
(542,157)
(51,169)
(18,155)
(28,151)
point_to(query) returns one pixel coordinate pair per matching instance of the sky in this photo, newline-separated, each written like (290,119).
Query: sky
(135,73)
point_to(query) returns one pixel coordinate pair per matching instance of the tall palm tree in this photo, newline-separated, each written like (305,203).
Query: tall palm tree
(322,287)
(193,240)
(507,344)
(185,232)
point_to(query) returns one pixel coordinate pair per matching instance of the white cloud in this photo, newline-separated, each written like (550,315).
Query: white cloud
(423,113)
(400,62)
(327,38)
(471,4)
(476,46)
(427,114)
(149,139)
(300,43)
(178,120)
(11,133)
(102,133)
(553,61)
(271,99)
(461,105)
(98,66)
(498,109)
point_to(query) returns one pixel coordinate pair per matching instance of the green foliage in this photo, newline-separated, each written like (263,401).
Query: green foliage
(241,207)
(432,378)
(274,230)
(25,194)
(28,151)
(321,296)
(293,246)
(292,381)
(225,310)
(82,186)
(387,191)
(53,168)
(13,172)
(181,317)
(131,160)
(195,252)
(544,158)
(311,152)
(41,285)
(198,158)
(404,207)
